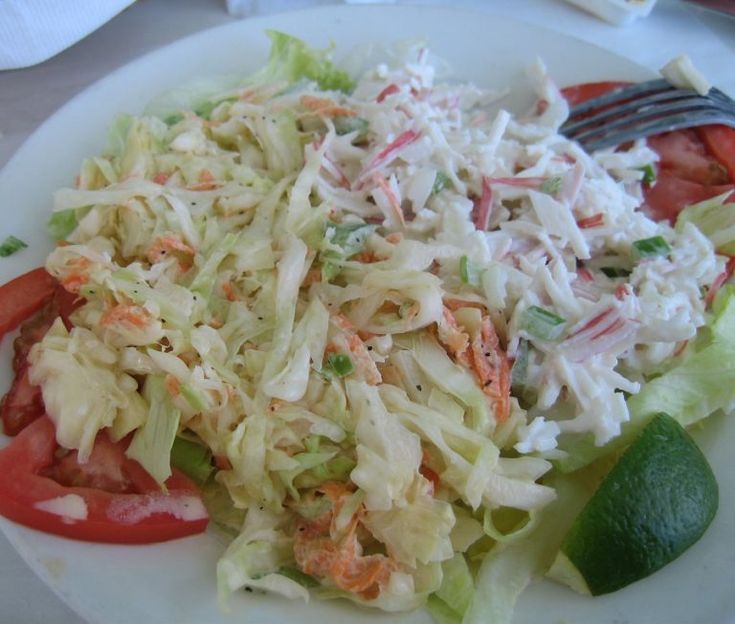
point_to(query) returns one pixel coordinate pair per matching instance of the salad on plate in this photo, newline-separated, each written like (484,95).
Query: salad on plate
(391,342)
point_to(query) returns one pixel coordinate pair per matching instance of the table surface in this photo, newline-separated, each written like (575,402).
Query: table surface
(28,96)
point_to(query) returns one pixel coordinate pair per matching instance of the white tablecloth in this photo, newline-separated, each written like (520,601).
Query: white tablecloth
(30,95)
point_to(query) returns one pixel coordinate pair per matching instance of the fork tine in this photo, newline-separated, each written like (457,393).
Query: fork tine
(628,107)
(611,120)
(621,94)
(606,138)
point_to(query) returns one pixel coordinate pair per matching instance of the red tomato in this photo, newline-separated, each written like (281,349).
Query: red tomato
(23,403)
(576,94)
(670,195)
(111,498)
(23,296)
(694,165)
(683,155)
(720,141)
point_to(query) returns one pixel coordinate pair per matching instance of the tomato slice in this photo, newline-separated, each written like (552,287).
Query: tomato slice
(671,194)
(24,403)
(720,141)
(111,498)
(576,94)
(23,296)
(683,154)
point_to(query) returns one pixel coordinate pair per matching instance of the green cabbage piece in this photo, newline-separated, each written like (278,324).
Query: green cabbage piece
(83,390)
(292,60)
(715,217)
(151,444)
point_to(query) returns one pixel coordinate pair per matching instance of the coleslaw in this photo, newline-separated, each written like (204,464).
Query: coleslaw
(394,315)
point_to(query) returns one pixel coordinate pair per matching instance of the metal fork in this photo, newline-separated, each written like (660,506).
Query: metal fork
(642,109)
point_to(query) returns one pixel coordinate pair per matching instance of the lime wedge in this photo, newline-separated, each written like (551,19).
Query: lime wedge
(655,503)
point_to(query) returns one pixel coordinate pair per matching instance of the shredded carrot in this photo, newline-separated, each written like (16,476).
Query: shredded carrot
(207,182)
(350,341)
(491,368)
(341,321)
(392,199)
(364,364)
(127,314)
(78,274)
(171,244)
(453,337)
(229,290)
(366,257)
(173,385)
(394,238)
(319,551)
(326,107)
(456,304)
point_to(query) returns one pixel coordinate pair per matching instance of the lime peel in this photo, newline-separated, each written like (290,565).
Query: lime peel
(654,504)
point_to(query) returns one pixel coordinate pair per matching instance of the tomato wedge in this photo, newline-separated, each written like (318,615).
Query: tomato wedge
(23,296)
(720,141)
(110,498)
(23,403)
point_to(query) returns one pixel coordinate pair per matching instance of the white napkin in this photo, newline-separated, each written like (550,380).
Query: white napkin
(32,31)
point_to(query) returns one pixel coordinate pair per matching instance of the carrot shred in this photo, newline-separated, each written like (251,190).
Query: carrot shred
(321,552)
(492,369)
(326,107)
(129,314)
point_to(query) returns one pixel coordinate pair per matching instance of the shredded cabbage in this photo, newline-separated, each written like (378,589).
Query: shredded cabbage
(327,281)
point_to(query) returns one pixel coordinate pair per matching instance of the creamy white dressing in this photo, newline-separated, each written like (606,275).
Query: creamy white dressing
(71,507)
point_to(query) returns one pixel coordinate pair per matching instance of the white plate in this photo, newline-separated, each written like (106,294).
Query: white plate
(174,582)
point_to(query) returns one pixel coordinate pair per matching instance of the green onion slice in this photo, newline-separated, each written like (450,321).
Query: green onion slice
(542,323)
(651,247)
(340,364)
(10,245)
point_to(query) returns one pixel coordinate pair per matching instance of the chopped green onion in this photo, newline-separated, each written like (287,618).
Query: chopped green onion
(441,181)
(551,186)
(344,125)
(10,245)
(542,323)
(651,247)
(193,459)
(172,120)
(649,174)
(613,272)
(340,364)
(468,272)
